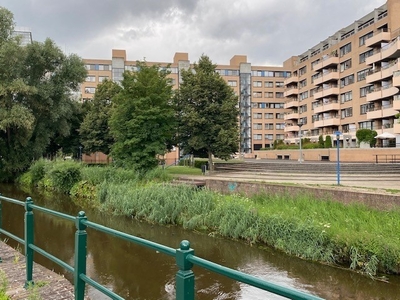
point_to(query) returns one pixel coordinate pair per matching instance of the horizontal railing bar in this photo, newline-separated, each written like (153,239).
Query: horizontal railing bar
(251,280)
(131,238)
(52,258)
(18,202)
(99,287)
(53,212)
(14,237)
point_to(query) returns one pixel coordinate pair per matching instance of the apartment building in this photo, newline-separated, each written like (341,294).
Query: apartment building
(347,82)
(260,92)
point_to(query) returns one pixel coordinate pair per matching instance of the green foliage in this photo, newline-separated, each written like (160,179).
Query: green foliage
(207,112)
(366,136)
(328,142)
(278,143)
(63,175)
(321,141)
(37,171)
(94,131)
(142,119)
(3,280)
(311,146)
(36,83)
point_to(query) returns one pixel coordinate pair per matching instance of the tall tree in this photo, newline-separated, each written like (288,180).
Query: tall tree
(142,119)
(207,112)
(36,82)
(94,131)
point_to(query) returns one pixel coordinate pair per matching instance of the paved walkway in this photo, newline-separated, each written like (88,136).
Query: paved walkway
(49,285)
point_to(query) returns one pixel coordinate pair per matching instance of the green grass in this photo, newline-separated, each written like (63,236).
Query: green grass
(182,170)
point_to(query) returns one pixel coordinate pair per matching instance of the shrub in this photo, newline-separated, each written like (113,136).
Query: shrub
(321,141)
(37,171)
(328,142)
(63,175)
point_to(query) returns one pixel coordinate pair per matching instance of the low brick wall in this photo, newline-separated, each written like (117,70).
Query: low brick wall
(373,200)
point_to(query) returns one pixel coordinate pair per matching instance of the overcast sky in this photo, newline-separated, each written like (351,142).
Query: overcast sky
(267,31)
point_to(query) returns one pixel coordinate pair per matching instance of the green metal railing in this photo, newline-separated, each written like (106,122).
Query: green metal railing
(184,256)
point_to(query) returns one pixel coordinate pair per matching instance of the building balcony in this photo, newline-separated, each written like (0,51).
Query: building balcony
(396,127)
(326,77)
(291,116)
(374,58)
(378,38)
(396,102)
(375,95)
(329,60)
(327,121)
(291,80)
(396,79)
(386,111)
(291,103)
(389,91)
(291,91)
(292,128)
(327,107)
(383,73)
(392,50)
(329,90)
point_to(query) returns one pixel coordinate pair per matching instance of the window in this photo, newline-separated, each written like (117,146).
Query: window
(364,55)
(90,78)
(269,136)
(347,112)
(90,90)
(366,90)
(345,49)
(348,96)
(280,136)
(279,115)
(268,84)
(366,125)
(279,95)
(303,96)
(315,76)
(261,105)
(362,74)
(279,84)
(232,82)
(303,83)
(268,115)
(345,65)
(257,94)
(303,70)
(280,126)
(276,105)
(257,83)
(104,67)
(257,136)
(269,126)
(257,116)
(314,63)
(347,80)
(364,108)
(228,72)
(102,78)
(365,37)
(257,126)
(281,74)
(117,74)
(269,95)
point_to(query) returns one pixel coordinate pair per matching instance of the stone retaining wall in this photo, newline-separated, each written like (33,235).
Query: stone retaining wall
(373,200)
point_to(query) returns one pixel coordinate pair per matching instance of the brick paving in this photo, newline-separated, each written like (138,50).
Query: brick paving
(49,285)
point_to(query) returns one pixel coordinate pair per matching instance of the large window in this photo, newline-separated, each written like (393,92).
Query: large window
(257,94)
(257,126)
(257,83)
(269,126)
(347,112)
(348,96)
(345,65)
(345,49)
(347,80)
(365,90)
(363,56)
(257,136)
(257,116)
(269,84)
(362,74)
(232,82)
(303,70)
(90,78)
(365,37)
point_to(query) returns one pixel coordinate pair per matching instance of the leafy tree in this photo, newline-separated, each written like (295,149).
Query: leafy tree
(94,131)
(366,136)
(36,82)
(328,142)
(207,112)
(142,119)
(321,141)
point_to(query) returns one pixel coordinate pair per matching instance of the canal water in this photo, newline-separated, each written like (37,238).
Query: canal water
(135,272)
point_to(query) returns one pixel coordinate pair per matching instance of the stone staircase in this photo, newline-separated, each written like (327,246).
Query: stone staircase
(308,167)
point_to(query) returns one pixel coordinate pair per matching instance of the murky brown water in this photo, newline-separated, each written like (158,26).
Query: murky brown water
(136,272)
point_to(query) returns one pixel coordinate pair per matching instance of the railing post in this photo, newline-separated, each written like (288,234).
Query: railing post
(185,276)
(29,231)
(80,255)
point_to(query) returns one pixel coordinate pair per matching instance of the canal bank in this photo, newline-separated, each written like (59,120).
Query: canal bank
(48,284)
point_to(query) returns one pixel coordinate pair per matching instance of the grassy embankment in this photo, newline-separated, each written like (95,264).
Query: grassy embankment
(360,238)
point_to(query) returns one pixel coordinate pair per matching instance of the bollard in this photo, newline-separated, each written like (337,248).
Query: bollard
(29,231)
(80,255)
(185,276)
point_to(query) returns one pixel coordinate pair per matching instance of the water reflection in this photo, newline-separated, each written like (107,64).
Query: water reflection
(136,272)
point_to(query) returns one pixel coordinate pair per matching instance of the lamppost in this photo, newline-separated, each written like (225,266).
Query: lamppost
(300,123)
(80,153)
(338,158)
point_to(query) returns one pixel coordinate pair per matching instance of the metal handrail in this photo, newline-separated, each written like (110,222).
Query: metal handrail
(184,256)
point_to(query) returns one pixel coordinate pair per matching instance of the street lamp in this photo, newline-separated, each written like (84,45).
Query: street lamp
(80,153)
(337,158)
(300,123)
